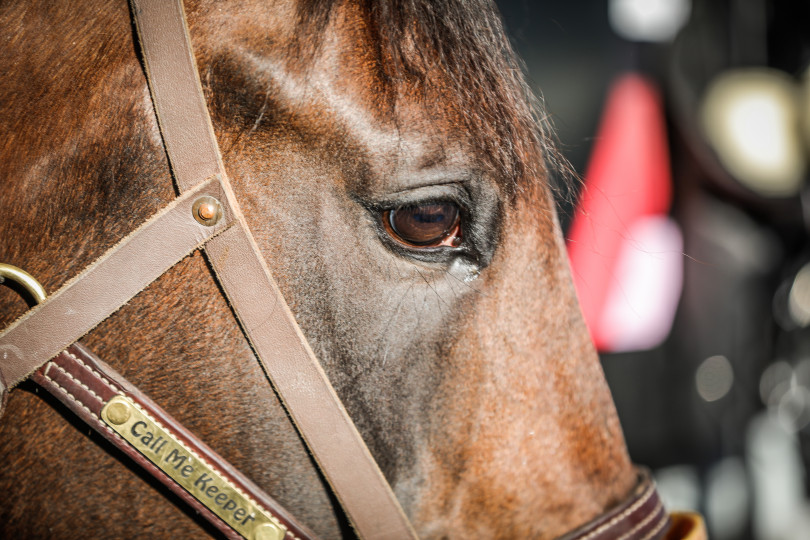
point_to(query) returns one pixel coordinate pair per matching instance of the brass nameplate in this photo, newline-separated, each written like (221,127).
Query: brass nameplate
(186,468)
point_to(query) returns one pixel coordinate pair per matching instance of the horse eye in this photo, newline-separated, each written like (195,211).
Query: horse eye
(425,225)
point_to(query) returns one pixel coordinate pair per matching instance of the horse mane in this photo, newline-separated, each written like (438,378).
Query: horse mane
(458,49)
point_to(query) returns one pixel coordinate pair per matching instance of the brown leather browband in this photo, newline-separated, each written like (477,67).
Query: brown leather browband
(31,346)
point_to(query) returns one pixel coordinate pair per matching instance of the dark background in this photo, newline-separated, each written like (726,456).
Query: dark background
(740,460)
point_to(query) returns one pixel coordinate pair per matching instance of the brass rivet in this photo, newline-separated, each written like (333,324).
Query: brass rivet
(267,531)
(118,413)
(207,210)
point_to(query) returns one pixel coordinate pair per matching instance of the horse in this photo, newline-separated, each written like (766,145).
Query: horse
(395,171)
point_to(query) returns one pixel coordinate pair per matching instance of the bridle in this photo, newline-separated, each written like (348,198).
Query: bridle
(42,344)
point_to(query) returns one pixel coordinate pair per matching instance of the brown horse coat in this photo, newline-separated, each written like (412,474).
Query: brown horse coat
(467,369)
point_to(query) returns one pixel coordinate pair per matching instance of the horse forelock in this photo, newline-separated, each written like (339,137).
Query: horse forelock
(453,59)
(455,53)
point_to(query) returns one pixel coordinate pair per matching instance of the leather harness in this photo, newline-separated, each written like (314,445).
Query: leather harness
(42,344)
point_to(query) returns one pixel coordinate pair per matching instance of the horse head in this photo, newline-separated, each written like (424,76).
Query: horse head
(394,171)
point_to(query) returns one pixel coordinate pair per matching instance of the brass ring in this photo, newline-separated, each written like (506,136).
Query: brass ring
(24,279)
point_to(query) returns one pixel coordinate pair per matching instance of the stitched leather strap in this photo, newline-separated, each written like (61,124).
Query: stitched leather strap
(107,284)
(268,323)
(85,385)
(640,517)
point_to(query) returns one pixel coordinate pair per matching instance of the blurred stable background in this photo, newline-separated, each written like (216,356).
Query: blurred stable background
(689,122)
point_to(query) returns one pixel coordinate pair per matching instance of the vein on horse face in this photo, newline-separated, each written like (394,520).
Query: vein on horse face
(401,159)
(395,314)
(432,288)
(312,96)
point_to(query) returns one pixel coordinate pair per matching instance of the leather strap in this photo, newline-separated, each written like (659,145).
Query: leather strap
(107,284)
(166,238)
(174,82)
(268,323)
(85,385)
(317,412)
(640,517)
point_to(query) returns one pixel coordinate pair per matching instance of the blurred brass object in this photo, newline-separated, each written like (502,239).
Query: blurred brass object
(688,526)
(24,279)
(190,471)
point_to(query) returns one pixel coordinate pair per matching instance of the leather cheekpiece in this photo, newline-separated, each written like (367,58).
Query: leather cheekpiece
(282,349)
(107,284)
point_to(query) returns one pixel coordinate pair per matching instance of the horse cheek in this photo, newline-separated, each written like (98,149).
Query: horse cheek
(529,441)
